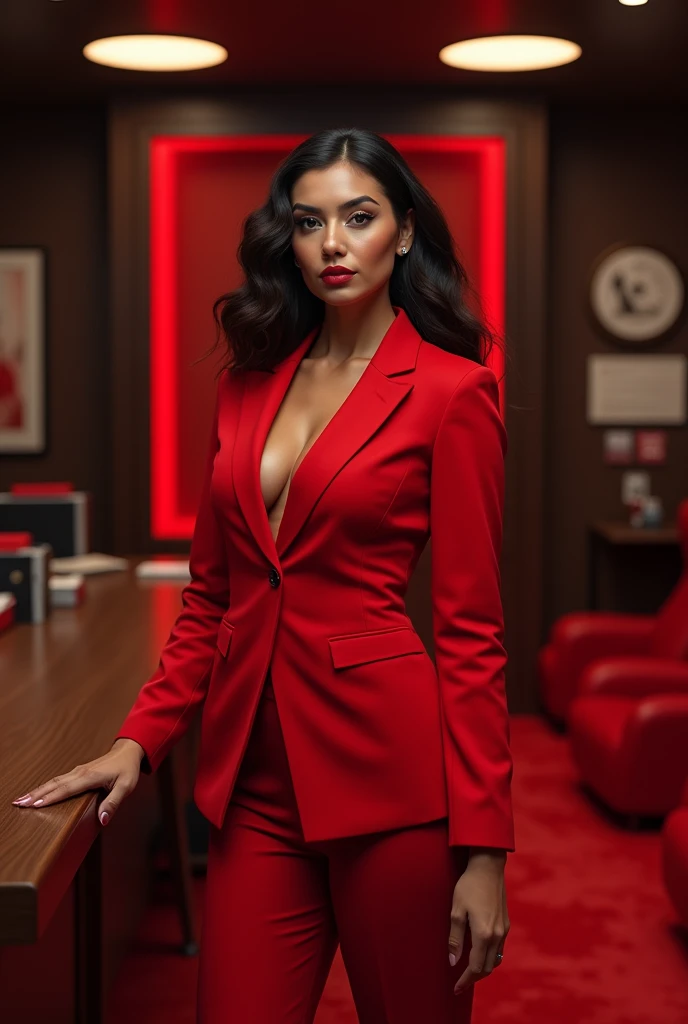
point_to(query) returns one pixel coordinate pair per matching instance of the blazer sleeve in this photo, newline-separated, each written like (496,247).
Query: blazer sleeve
(466,510)
(166,703)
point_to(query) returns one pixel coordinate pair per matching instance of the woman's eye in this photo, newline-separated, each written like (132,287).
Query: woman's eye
(303,220)
(366,216)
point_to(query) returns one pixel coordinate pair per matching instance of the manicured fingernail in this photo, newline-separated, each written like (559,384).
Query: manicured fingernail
(104,817)
(22,799)
(452,960)
(38,803)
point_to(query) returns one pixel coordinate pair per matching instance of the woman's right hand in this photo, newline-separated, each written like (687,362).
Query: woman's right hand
(117,771)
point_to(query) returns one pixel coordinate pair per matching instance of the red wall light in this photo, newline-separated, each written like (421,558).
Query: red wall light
(201,189)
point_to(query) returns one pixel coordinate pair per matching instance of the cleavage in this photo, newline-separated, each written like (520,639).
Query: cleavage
(311,402)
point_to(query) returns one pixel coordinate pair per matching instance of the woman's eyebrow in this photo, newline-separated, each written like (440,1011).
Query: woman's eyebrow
(342,206)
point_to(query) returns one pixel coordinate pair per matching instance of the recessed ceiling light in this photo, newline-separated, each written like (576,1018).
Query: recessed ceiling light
(632,3)
(510,53)
(155,53)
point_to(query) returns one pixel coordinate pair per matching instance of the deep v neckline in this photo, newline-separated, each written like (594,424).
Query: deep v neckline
(302,456)
(380,389)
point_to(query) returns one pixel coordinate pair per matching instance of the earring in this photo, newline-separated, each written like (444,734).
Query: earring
(296,263)
(404,250)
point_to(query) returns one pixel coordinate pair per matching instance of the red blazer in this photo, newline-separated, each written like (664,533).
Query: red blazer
(377,736)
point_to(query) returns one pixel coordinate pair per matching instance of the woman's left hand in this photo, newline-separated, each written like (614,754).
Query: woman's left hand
(479,901)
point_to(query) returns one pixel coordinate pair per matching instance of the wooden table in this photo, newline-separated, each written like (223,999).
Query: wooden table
(609,534)
(67,685)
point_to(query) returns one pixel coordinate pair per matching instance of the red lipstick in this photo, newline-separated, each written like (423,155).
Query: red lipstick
(337,275)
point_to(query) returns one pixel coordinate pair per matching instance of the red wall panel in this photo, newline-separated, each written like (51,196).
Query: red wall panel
(201,189)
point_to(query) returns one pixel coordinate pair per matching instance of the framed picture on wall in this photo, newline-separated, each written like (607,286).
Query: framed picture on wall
(636,295)
(22,350)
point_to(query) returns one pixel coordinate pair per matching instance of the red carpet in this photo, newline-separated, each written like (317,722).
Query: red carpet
(593,939)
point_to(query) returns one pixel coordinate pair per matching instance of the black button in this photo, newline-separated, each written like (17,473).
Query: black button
(274,578)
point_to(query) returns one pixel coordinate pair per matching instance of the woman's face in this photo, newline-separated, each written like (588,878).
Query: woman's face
(342,218)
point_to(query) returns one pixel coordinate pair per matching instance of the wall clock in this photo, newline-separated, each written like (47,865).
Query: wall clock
(636,295)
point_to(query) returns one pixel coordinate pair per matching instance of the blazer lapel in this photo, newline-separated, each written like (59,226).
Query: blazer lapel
(373,399)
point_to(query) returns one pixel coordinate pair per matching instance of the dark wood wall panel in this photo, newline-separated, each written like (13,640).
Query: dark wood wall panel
(53,194)
(617,175)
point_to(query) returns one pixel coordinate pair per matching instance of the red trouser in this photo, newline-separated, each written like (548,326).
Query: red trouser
(276,907)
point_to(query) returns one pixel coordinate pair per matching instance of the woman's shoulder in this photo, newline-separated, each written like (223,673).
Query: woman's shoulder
(444,371)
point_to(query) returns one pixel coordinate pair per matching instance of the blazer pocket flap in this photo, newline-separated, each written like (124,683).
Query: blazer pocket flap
(224,637)
(357,648)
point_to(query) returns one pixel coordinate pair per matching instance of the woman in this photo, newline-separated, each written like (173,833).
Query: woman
(357,795)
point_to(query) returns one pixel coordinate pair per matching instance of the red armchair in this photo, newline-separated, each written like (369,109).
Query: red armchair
(674,839)
(578,638)
(628,728)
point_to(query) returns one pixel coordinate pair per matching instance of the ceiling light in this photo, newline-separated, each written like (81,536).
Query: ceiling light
(155,53)
(510,53)
(632,3)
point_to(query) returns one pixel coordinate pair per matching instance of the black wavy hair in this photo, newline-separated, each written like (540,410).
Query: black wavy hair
(265,319)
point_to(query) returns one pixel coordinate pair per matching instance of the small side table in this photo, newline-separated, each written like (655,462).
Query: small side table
(610,536)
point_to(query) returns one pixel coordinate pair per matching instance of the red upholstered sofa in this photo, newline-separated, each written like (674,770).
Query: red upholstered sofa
(674,840)
(628,731)
(578,638)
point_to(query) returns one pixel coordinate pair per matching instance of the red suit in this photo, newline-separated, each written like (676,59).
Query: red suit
(377,737)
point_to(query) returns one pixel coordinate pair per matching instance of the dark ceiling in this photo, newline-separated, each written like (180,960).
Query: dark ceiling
(632,54)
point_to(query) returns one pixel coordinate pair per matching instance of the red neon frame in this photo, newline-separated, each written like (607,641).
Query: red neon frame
(167,522)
